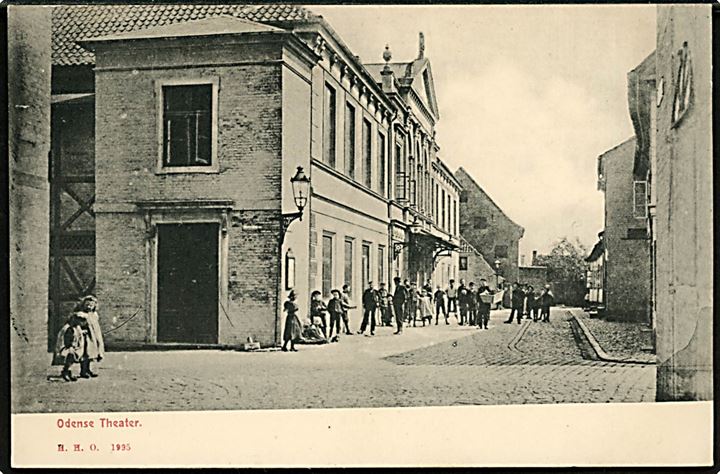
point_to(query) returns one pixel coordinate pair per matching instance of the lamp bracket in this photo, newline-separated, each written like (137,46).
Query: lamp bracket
(286,220)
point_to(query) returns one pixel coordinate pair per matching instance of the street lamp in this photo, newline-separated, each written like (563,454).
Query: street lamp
(301,191)
(497,273)
(414,228)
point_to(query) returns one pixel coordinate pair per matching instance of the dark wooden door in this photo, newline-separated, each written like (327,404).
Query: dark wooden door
(187,278)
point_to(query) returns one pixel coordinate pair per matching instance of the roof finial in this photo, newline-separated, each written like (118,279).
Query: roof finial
(387,56)
(421,46)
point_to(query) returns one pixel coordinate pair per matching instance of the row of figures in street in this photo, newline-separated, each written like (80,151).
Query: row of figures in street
(526,301)
(408,304)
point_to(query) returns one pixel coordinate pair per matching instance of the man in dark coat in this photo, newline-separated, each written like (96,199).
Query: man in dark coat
(439,298)
(546,300)
(399,299)
(516,300)
(370,303)
(472,304)
(483,308)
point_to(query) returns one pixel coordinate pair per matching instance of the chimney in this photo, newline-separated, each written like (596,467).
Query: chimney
(534,257)
(421,45)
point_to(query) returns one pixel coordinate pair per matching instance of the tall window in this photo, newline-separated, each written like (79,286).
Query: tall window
(365,264)
(349,140)
(349,263)
(327,264)
(329,135)
(455,217)
(640,199)
(381,263)
(400,174)
(187,125)
(442,204)
(367,152)
(381,164)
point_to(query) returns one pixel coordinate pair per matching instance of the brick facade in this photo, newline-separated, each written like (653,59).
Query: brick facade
(134,195)
(29,144)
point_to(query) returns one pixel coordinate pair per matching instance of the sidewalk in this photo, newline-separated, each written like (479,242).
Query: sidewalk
(614,340)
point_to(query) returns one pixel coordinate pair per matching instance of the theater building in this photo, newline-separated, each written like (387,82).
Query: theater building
(188,124)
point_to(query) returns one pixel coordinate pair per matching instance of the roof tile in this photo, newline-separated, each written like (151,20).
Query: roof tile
(74,22)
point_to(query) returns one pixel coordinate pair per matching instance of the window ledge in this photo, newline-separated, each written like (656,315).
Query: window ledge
(188,170)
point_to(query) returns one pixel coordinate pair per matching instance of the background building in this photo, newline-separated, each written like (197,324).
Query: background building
(626,259)
(487,228)
(595,279)
(473,267)
(534,275)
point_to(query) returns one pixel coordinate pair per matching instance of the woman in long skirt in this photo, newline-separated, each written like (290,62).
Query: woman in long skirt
(293,328)
(94,344)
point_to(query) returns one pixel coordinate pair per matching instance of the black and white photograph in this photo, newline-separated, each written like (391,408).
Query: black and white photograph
(312,210)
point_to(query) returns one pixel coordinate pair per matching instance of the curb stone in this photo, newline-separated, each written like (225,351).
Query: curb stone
(602,355)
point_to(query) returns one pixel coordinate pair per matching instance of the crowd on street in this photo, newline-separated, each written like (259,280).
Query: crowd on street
(407,305)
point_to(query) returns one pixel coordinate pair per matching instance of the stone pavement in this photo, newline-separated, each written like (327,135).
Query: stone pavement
(432,366)
(618,340)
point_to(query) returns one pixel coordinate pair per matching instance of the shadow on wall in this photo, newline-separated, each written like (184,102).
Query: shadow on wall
(687,375)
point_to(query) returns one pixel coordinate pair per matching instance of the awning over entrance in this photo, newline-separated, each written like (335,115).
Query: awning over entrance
(431,244)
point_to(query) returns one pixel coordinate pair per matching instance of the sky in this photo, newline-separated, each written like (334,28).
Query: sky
(529,97)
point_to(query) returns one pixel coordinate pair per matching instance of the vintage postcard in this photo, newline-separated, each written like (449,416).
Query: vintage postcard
(272,235)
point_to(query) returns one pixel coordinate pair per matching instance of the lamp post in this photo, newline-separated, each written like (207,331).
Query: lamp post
(497,273)
(301,191)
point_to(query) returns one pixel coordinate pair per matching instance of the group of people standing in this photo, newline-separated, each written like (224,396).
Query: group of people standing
(528,302)
(406,305)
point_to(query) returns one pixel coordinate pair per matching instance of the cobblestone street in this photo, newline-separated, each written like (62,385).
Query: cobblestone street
(533,362)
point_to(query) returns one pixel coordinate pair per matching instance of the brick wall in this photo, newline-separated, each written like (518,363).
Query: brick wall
(248,138)
(121,277)
(534,276)
(253,269)
(29,143)
(249,156)
(683,180)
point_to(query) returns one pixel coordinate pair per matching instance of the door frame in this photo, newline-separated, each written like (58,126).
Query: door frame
(208,214)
